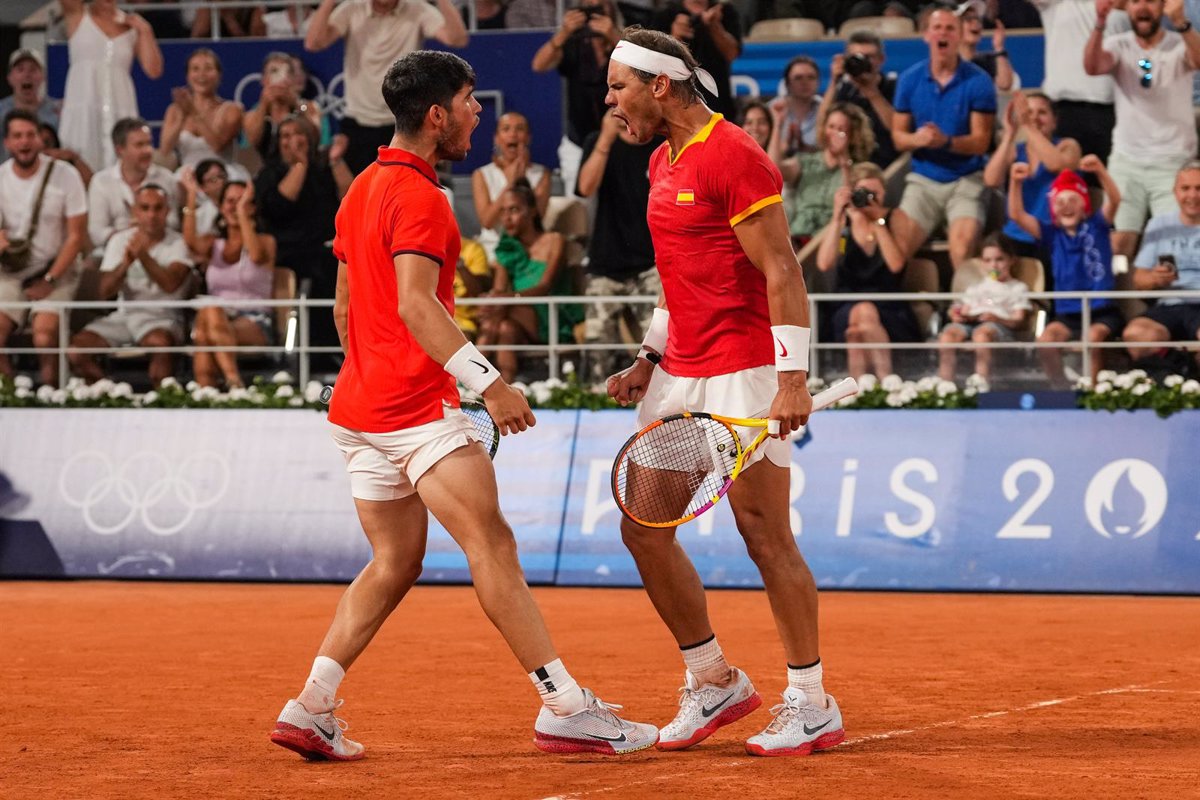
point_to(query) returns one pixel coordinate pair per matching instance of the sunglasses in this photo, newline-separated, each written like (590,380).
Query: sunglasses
(1147,67)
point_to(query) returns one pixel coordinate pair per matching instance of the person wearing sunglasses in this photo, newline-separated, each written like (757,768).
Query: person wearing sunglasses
(1155,133)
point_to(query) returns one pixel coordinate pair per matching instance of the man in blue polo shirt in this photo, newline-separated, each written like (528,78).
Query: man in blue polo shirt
(945,110)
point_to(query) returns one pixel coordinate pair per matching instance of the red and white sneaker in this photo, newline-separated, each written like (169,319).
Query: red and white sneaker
(703,709)
(317,737)
(799,727)
(596,729)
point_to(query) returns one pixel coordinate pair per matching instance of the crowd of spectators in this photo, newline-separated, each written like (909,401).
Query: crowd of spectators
(195,216)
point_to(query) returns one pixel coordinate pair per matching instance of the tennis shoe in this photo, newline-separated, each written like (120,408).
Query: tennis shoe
(595,729)
(704,708)
(317,737)
(799,727)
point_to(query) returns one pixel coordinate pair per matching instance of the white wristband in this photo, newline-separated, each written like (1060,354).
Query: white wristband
(656,334)
(791,347)
(471,369)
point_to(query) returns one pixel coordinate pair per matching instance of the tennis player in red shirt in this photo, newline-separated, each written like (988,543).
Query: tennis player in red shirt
(408,448)
(731,337)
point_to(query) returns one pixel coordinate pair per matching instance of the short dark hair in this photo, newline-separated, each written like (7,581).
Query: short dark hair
(1002,243)
(523,189)
(865,37)
(205,51)
(801,60)
(126,126)
(688,89)
(46,127)
(207,164)
(421,80)
(19,113)
(754,103)
(154,187)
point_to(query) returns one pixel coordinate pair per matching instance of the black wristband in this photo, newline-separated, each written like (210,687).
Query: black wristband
(651,356)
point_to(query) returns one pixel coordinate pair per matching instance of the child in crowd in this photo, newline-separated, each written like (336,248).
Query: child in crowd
(1077,239)
(990,311)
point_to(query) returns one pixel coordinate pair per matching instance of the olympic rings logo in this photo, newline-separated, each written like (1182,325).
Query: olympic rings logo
(164,493)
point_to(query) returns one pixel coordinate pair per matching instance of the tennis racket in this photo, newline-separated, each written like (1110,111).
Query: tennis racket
(485,426)
(678,467)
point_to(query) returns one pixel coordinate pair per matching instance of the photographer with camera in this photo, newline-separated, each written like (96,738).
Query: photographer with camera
(860,244)
(580,51)
(856,76)
(713,32)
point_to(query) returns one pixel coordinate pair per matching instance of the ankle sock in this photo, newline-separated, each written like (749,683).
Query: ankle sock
(558,690)
(808,679)
(706,661)
(321,687)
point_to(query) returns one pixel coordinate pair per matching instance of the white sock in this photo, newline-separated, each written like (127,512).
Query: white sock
(808,680)
(322,685)
(558,689)
(706,661)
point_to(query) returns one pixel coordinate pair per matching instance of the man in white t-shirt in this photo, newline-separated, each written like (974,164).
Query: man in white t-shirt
(146,262)
(1155,132)
(110,194)
(1083,103)
(42,266)
(377,33)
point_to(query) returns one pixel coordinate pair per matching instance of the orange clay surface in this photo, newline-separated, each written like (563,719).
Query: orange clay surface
(159,690)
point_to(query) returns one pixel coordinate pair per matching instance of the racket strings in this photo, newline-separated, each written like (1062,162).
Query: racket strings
(485,426)
(672,470)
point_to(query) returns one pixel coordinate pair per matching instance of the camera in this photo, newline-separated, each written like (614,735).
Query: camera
(861,198)
(592,11)
(857,65)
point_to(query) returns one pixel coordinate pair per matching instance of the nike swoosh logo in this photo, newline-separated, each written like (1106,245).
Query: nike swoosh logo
(810,731)
(782,350)
(620,738)
(327,734)
(708,712)
(481,366)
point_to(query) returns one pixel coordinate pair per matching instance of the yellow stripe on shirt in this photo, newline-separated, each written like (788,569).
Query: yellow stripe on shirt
(761,204)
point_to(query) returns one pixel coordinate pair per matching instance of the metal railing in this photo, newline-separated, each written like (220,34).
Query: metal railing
(295,342)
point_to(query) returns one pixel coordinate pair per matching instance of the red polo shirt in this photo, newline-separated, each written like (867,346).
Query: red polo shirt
(394,207)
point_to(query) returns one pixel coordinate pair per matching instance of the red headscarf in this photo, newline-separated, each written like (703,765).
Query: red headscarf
(1068,181)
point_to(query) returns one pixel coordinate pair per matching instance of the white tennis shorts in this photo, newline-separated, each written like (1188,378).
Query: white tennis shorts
(387,466)
(748,394)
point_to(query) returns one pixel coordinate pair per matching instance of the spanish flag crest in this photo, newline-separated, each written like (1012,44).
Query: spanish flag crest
(685,197)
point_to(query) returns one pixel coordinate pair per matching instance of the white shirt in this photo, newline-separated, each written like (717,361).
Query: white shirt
(990,296)
(373,43)
(497,182)
(1154,122)
(1068,25)
(279,25)
(65,197)
(110,201)
(138,284)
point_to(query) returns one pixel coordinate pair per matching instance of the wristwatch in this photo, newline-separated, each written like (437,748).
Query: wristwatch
(1185,27)
(881,222)
(50,279)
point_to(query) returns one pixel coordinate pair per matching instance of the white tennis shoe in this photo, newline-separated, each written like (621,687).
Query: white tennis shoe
(317,737)
(799,727)
(703,709)
(595,729)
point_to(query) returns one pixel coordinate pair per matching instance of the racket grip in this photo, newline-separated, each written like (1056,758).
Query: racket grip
(773,427)
(846,387)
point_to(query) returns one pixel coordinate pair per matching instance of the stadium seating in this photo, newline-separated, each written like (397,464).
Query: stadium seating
(786,30)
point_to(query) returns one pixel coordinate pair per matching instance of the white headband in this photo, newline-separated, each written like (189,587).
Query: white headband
(656,63)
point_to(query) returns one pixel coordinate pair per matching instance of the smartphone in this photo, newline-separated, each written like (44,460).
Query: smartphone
(1169,260)
(279,74)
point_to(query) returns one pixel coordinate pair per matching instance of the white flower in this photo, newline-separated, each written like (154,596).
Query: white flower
(75,383)
(44,393)
(554,383)
(927,384)
(1103,387)
(120,390)
(894,400)
(908,393)
(1125,381)
(1142,388)
(80,393)
(197,394)
(867,382)
(1083,383)
(283,376)
(1171,381)
(191,386)
(1106,375)
(1137,374)
(520,387)
(815,385)
(102,387)
(1190,387)
(258,398)
(296,402)
(312,392)
(541,392)
(151,397)
(970,391)
(239,393)
(892,382)
(568,368)
(285,391)
(23,392)
(946,388)
(978,383)
(59,397)
(23,382)
(169,383)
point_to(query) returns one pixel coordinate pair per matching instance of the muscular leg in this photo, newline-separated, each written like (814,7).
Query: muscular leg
(909,235)
(396,530)
(867,327)
(161,364)
(87,365)
(45,334)
(7,326)
(1124,243)
(1144,331)
(948,357)
(760,507)
(962,235)
(1051,357)
(1097,333)
(474,520)
(670,580)
(204,366)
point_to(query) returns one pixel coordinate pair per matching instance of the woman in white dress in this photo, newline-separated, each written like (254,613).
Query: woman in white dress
(102,42)
(199,124)
(510,162)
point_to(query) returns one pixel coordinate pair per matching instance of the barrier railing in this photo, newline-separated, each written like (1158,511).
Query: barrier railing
(295,342)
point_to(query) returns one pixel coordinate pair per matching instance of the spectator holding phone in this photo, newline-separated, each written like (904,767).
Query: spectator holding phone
(1169,258)
(278,101)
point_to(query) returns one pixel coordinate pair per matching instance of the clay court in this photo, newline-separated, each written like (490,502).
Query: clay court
(169,691)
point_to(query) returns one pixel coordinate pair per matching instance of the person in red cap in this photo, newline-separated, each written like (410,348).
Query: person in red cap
(1078,241)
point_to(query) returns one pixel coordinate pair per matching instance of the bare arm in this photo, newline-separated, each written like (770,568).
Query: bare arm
(254,122)
(453,33)
(422,312)
(591,172)
(170,276)
(976,142)
(149,54)
(996,172)
(554,263)
(1097,60)
(1112,193)
(765,238)
(827,252)
(259,246)
(229,124)
(111,281)
(1056,157)
(893,254)
(1016,205)
(72,11)
(541,193)
(320,33)
(172,125)
(293,181)
(903,136)
(341,305)
(77,237)
(726,43)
